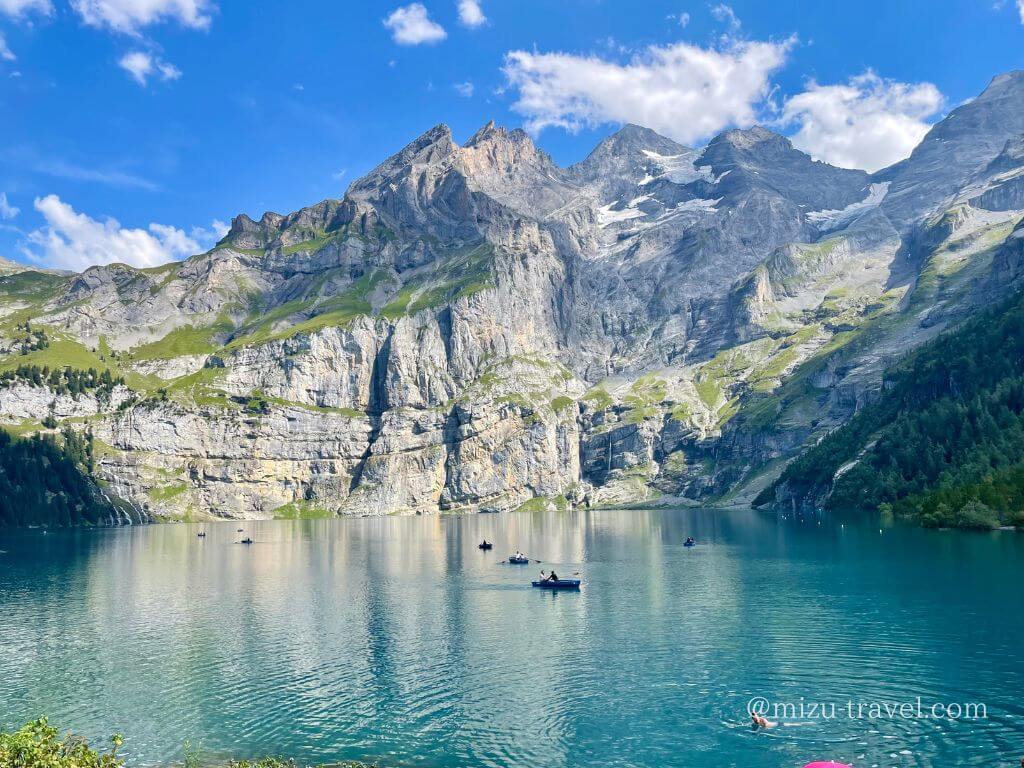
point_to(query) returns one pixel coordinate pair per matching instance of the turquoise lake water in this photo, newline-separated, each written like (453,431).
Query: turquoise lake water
(396,640)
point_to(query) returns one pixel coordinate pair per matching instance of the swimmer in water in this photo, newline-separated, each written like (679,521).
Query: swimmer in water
(760,721)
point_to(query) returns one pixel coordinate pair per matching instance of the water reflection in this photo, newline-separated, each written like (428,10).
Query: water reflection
(397,640)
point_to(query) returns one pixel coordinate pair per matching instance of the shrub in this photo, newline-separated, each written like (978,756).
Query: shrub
(38,745)
(976,515)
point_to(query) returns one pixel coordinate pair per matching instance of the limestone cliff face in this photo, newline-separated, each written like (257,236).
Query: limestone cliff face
(473,327)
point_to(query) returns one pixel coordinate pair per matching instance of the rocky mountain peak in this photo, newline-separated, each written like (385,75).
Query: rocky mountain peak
(434,146)
(632,138)
(750,146)
(759,159)
(955,149)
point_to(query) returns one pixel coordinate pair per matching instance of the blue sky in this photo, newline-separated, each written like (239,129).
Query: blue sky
(132,130)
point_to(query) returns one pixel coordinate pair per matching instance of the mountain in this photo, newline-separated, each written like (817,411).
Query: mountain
(944,442)
(474,327)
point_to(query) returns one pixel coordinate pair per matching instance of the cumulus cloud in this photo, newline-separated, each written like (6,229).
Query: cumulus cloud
(129,16)
(464,89)
(18,8)
(6,53)
(867,123)
(681,90)
(73,240)
(411,25)
(7,211)
(472,15)
(1020,10)
(141,66)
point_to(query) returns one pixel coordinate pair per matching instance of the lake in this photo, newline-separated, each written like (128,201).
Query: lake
(397,640)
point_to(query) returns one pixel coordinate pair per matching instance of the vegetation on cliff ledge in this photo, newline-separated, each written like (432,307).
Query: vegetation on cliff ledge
(944,443)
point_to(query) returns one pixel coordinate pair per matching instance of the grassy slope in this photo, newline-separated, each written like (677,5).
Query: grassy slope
(946,434)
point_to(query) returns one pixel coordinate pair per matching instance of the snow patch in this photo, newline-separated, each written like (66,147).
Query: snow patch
(606,216)
(832,219)
(679,169)
(699,204)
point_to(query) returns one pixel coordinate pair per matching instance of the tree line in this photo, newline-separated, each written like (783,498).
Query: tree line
(45,480)
(64,381)
(944,442)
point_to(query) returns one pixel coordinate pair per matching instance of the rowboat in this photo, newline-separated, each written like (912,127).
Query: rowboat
(559,584)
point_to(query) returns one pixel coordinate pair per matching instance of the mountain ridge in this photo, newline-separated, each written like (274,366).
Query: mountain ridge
(474,327)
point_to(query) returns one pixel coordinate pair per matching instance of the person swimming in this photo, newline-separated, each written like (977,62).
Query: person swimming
(760,721)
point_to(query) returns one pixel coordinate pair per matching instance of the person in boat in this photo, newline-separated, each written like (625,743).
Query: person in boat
(553,576)
(484,544)
(519,555)
(689,540)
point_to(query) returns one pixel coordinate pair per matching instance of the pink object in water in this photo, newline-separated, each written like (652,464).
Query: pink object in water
(827,764)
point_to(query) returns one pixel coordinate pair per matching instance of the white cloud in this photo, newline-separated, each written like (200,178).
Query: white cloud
(7,211)
(207,237)
(1020,9)
(141,65)
(464,89)
(867,123)
(471,14)
(726,15)
(18,8)
(6,53)
(684,19)
(411,25)
(73,240)
(129,16)
(680,90)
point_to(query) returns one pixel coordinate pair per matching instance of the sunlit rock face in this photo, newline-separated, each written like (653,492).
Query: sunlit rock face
(473,327)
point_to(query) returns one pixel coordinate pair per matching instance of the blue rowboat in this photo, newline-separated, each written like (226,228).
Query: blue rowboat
(560,584)
(518,560)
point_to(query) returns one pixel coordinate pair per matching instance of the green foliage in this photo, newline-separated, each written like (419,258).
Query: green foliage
(465,273)
(30,339)
(185,340)
(167,493)
(302,510)
(263,762)
(944,444)
(31,286)
(59,353)
(544,504)
(561,403)
(598,398)
(64,381)
(44,480)
(38,745)
(257,403)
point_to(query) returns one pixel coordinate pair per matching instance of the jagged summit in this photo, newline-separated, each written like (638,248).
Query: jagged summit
(955,149)
(475,327)
(491,132)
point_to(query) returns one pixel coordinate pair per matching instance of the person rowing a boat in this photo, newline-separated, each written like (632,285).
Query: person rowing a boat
(546,577)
